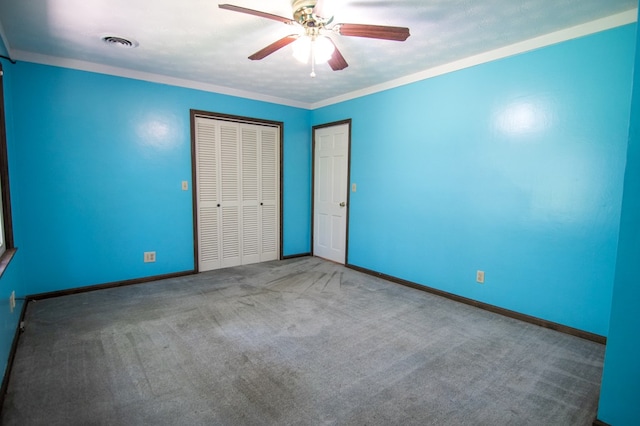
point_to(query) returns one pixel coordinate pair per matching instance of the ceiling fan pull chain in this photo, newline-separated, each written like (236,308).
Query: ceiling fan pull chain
(313,58)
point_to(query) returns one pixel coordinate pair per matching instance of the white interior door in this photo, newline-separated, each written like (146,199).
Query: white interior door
(208,204)
(331,166)
(250,195)
(270,194)
(260,195)
(238,192)
(231,206)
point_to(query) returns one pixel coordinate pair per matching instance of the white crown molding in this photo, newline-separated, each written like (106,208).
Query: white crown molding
(609,22)
(154,78)
(577,31)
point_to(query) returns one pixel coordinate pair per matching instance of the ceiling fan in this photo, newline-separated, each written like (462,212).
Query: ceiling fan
(313,43)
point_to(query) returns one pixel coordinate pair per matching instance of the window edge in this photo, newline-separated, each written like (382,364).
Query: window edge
(5,259)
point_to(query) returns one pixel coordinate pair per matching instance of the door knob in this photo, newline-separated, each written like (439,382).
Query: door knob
(342,204)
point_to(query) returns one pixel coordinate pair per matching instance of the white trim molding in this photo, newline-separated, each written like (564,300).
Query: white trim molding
(55,61)
(613,21)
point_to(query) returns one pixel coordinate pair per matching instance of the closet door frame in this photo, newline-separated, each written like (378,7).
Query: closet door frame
(194,178)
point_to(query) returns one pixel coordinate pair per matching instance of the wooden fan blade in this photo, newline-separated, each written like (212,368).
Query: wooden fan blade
(260,54)
(337,61)
(374,31)
(256,13)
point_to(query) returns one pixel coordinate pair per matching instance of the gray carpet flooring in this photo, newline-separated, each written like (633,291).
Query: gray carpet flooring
(295,342)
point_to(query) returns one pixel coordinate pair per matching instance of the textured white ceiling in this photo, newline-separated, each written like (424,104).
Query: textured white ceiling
(195,40)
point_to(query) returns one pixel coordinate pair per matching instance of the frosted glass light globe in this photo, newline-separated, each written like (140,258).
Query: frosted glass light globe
(322,49)
(302,49)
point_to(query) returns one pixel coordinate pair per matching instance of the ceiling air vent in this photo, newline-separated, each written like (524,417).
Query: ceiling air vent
(120,41)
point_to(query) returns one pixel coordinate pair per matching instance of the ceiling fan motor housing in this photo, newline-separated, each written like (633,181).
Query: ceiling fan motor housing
(302,4)
(304,14)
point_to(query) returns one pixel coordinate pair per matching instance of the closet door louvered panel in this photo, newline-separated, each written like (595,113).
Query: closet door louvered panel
(250,192)
(230,194)
(269,192)
(207,151)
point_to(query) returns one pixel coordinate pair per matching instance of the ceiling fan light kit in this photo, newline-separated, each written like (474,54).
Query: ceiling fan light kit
(314,45)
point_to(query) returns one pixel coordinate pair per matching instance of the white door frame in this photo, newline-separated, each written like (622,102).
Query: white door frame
(347,184)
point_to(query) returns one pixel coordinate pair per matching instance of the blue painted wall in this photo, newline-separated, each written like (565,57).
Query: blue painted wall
(10,280)
(620,393)
(98,162)
(8,320)
(514,167)
(96,165)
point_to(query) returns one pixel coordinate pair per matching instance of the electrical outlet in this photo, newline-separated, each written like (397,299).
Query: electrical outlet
(480,277)
(149,256)
(12,301)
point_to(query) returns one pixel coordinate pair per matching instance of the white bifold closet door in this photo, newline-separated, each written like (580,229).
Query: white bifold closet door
(238,193)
